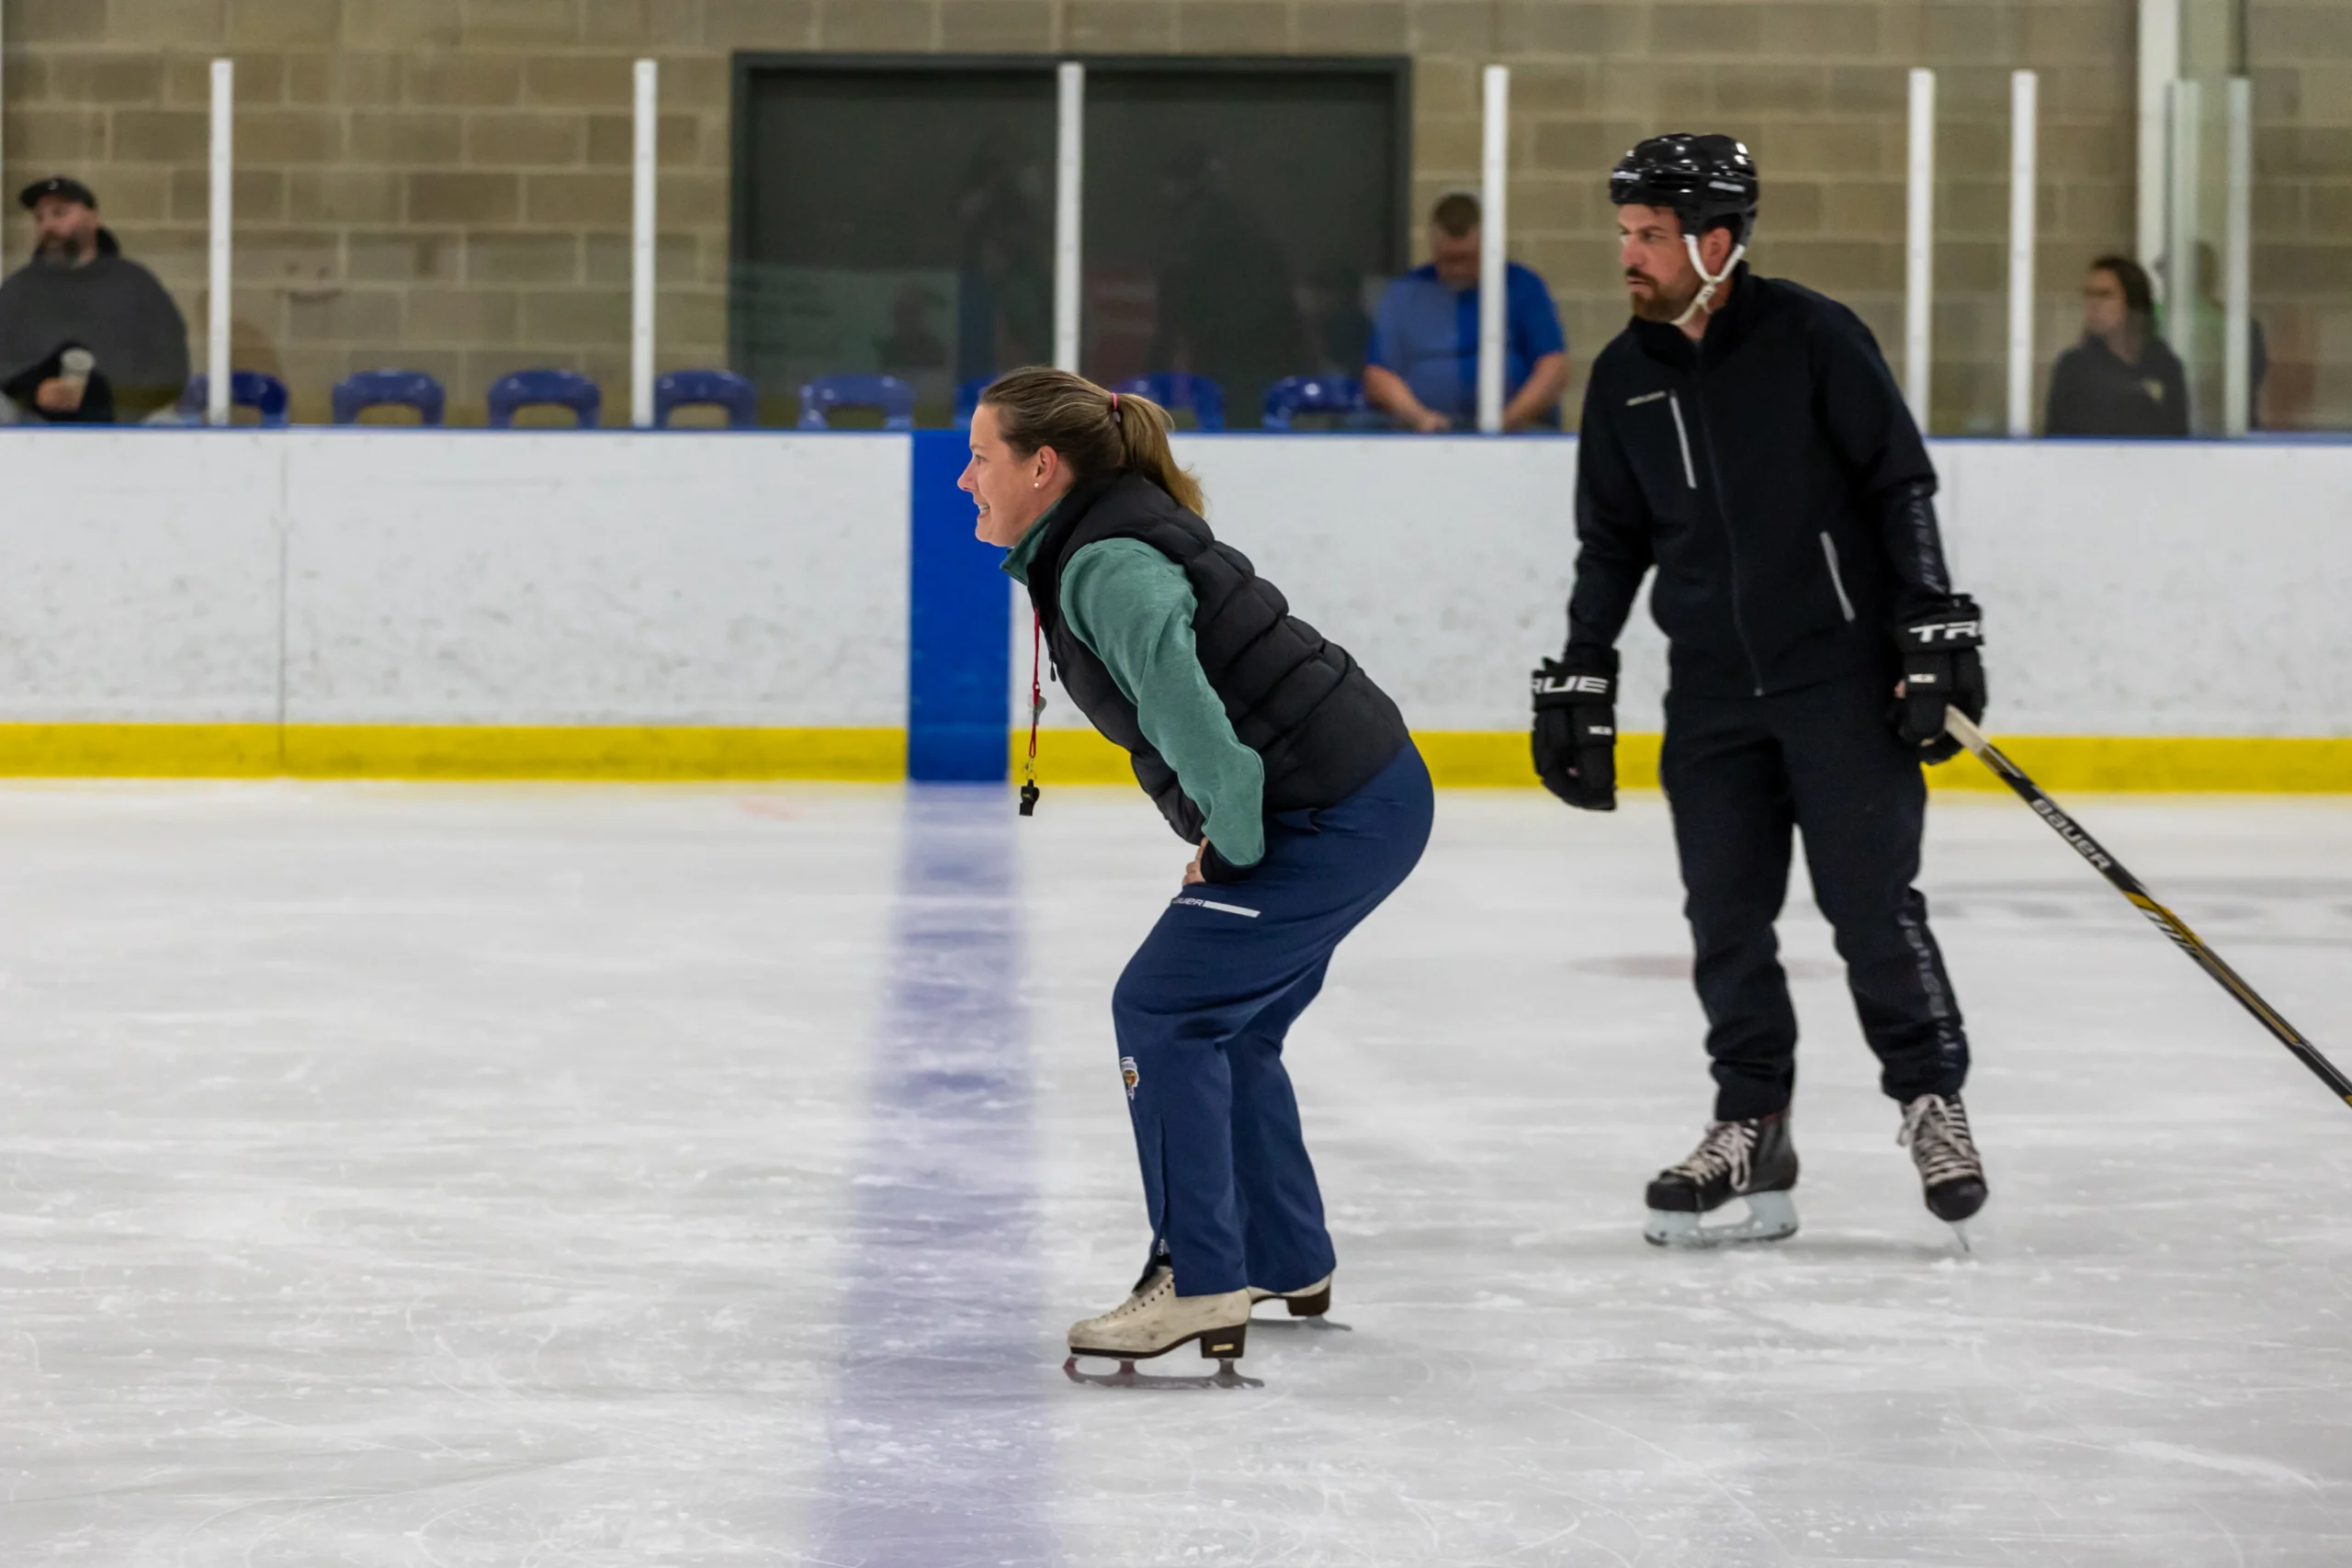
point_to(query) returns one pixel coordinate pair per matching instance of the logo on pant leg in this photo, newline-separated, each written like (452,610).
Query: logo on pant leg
(1190,902)
(1128,1075)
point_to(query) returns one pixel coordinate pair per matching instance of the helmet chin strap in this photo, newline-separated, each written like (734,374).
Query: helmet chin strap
(1709,282)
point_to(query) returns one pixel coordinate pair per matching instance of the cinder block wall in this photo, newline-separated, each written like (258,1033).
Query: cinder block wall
(2301,58)
(437,184)
(1819,93)
(444,182)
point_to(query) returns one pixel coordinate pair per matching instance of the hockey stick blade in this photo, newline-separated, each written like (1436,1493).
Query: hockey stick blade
(2164,920)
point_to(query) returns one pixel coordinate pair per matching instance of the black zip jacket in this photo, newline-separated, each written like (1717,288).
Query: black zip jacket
(1772,475)
(2093,392)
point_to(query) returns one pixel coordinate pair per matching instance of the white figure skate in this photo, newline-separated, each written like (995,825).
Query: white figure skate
(1154,1320)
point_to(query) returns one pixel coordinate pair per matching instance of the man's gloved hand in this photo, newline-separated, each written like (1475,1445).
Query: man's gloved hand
(1941,667)
(1576,727)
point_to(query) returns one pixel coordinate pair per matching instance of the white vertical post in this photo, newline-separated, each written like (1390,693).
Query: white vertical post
(641,252)
(2180,242)
(1919,249)
(2159,63)
(2237,297)
(2023,96)
(1069,186)
(1494,203)
(224,163)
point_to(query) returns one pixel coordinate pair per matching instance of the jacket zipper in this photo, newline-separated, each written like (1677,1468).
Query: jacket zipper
(1836,577)
(1723,513)
(1690,475)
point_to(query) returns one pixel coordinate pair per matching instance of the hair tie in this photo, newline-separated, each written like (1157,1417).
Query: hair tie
(1114,410)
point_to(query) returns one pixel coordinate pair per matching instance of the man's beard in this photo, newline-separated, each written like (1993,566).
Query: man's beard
(59,248)
(1661,304)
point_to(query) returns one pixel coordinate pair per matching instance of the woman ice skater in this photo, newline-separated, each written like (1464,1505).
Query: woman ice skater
(1268,751)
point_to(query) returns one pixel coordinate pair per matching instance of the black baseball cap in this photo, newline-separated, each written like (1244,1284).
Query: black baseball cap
(63,186)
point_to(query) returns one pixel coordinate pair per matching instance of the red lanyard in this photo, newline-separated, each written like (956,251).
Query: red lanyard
(1029,791)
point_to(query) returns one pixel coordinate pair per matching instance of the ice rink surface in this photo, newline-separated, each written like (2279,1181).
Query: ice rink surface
(570,1176)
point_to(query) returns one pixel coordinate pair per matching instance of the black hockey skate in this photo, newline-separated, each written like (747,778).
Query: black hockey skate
(1951,1173)
(1754,1161)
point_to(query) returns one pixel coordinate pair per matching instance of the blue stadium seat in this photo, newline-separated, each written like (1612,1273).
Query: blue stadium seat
(265,395)
(367,389)
(968,400)
(534,389)
(1173,390)
(828,395)
(707,388)
(1295,395)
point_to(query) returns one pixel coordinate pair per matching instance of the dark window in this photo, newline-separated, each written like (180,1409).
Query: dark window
(1241,222)
(897,217)
(893,221)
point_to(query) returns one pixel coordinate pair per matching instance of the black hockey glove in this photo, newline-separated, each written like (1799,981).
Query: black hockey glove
(1575,728)
(1941,667)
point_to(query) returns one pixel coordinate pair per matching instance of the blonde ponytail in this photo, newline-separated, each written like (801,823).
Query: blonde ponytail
(1143,442)
(1094,431)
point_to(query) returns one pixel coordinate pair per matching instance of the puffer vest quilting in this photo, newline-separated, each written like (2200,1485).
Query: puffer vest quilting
(1317,721)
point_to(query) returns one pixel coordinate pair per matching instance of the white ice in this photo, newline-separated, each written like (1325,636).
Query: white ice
(572,1176)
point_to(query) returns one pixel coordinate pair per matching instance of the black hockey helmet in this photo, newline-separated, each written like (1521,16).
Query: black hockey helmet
(1707,180)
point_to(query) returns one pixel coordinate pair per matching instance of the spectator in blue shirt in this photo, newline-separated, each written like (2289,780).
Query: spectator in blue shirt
(1423,369)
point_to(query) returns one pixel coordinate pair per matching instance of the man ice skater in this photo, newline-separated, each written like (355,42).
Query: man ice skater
(1743,436)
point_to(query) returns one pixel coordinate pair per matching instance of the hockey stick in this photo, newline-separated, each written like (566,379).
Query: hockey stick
(2172,925)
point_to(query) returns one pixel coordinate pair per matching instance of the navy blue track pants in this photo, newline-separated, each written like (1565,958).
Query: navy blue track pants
(1740,774)
(1201,1013)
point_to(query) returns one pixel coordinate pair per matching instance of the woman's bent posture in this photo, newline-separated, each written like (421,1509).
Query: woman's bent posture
(1271,751)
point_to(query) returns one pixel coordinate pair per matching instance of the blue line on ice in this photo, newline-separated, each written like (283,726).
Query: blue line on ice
(940,1453)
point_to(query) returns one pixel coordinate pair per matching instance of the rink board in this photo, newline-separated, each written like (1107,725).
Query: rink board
(428,603)
(1457,758)
(448,752)
(1500,760)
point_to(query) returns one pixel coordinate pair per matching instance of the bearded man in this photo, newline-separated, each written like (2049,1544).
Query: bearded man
(87,335)
(1744,435)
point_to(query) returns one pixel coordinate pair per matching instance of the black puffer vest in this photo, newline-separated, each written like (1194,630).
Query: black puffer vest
(1308,710)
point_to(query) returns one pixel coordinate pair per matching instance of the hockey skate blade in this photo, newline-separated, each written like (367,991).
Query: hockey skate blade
(1127,1377)
(1960,1234)
(1771,1216)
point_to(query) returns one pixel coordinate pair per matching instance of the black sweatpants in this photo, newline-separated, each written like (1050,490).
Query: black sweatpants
(1739,772)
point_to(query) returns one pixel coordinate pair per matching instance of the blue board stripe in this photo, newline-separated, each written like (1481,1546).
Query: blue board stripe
(959,628)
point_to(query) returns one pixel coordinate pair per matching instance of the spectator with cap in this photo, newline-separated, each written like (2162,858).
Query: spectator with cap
(1423,369)
(86,335)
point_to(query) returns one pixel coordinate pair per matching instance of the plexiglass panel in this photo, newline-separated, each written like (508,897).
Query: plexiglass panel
(1241,222)
(893,222)
(2198,144)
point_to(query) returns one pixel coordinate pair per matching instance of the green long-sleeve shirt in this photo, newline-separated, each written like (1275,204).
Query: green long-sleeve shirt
(1133,608)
